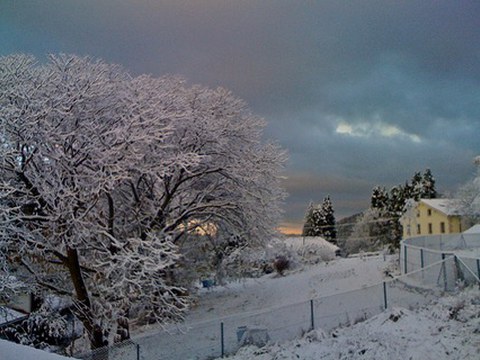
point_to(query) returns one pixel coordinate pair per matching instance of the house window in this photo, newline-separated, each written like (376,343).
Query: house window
(442,227)
(429,212)
(430,228)
(419,230)
(418,213)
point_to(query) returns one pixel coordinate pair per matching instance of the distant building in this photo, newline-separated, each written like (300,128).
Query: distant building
(432,217)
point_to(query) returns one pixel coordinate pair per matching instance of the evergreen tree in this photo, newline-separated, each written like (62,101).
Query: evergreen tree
(320,221)
(417,186)
(391,206)
(308,224)
(428,185)
(328,229)
(379,198)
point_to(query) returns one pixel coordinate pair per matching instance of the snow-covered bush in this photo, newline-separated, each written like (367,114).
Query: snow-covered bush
(311,249)
(281,263)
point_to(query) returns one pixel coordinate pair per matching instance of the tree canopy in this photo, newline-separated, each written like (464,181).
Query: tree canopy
(103,174)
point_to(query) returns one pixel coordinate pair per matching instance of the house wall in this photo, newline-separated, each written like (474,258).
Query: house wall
(426,220)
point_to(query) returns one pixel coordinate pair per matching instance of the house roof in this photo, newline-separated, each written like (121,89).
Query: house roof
(448,207)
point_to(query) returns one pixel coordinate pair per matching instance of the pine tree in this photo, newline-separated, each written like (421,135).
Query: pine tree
(308,224)
(428,186)
(392,205)
(320,221)
(379,198)
(328,229)
(417,186)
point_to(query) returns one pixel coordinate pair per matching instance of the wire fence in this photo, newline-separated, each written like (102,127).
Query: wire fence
(222,336)
(419,252)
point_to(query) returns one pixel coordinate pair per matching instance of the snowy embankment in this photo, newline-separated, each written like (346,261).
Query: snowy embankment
(447,329)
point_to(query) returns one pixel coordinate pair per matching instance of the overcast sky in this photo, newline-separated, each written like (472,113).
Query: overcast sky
(361,93)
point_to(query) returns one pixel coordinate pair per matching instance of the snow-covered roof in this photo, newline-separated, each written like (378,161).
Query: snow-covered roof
(13,351)
(473,230)
(445,206)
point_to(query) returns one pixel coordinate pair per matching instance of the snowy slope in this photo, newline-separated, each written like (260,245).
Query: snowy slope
(447,329)
(274,291)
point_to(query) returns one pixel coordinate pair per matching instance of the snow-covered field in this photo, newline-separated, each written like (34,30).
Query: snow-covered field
(446,329)
(274,291)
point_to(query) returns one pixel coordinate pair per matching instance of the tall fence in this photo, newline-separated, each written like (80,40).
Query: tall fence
(419,252)
(221,336)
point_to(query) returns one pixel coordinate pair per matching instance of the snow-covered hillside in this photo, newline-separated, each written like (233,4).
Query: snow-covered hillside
(446,329)
(449,328)
(274,291)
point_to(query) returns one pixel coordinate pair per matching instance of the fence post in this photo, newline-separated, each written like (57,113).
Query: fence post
(312,319)
(405,258)
(421,259)
(138,351)
(385,295)
(222,339)
(478,268)
(444,266)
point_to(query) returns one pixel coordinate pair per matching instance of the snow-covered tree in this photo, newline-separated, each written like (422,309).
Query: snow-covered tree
(320,221)
(428,185)
(370,232)
(103,176)
(390,206)
(308,224)
(329,231)
(469,196)
(379,198)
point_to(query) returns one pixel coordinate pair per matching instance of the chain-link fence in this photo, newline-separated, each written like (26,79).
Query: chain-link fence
(222,336)
(419,252)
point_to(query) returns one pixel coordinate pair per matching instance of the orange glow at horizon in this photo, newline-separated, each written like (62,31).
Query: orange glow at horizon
(290,229)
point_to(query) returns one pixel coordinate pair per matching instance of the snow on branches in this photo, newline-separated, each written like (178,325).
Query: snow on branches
(104,174)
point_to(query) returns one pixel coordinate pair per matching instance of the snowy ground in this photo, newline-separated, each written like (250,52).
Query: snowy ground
(447,329)
(274,291)
(278,303)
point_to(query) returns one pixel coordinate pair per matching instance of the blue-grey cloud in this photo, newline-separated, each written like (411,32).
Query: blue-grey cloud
(363,93)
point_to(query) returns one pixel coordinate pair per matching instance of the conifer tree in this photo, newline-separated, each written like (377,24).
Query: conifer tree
(428,185)
(308,224)
(320,221)
(328,230)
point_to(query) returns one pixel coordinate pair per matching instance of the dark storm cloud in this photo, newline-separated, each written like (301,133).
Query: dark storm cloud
(363,92)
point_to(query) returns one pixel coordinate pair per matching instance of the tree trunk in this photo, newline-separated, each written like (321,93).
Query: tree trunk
(95,332)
